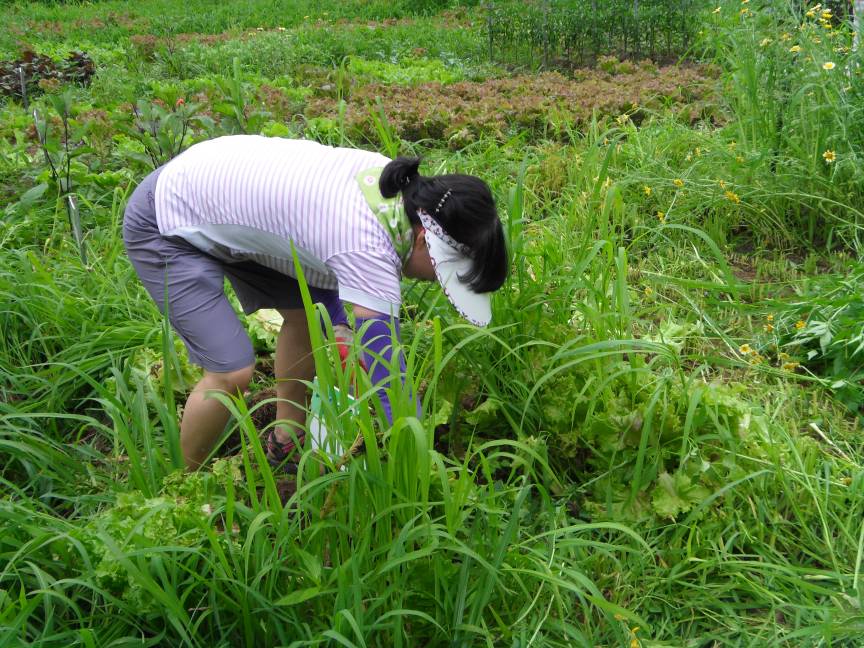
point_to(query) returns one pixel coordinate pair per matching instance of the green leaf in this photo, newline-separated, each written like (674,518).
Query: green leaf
(676,494)
(485,413)
(32,195)
(442,416)
(297,597)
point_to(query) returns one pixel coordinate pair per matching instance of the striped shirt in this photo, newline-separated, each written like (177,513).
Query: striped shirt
(246,197)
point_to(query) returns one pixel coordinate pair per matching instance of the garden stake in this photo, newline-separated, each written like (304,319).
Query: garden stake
(23,87)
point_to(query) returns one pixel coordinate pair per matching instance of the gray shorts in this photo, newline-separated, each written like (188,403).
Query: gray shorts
(193,281)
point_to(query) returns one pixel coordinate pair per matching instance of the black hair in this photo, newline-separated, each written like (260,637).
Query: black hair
(468,215)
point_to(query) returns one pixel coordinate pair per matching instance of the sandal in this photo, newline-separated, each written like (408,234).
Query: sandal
(284,455)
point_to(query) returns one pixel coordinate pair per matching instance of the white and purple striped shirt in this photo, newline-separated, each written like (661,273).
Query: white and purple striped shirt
(246,197)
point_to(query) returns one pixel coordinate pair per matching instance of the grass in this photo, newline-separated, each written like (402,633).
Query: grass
(626,457)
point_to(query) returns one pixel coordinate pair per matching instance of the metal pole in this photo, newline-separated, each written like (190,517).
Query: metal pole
(23,86)
(75,222)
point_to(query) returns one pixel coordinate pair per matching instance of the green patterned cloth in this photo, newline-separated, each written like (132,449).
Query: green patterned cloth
(389,211)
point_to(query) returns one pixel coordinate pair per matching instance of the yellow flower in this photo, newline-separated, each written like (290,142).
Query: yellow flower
(716,11)
(784,356)
(649,291)
(634,630)
(790,366)
(745,349)
(732,196)
(634,643)
(745,12)
(740,159)
(769,317)
(785,36)
(810,14)
(661,216)
(647,190)
(828,65)
(829,156)
(817,40)
(795,49)
(800,324)
(722,184)
(826,15)
(768,328)
(765,41)
(678,182)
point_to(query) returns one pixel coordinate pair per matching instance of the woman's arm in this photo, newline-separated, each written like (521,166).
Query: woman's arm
(377,347)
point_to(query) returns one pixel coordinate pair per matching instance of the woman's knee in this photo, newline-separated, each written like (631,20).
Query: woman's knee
(230,381)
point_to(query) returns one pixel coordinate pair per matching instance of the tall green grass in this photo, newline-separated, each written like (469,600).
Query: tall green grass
(603,458)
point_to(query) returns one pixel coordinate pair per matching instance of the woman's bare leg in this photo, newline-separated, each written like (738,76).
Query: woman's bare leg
(204,418)
(293,364)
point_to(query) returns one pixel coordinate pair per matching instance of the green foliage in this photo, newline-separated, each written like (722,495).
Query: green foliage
(822,328)
(644,437)
(580,32)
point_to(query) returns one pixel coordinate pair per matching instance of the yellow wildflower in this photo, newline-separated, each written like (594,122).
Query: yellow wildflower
(745,349)
(765,41)
(828,65)
(769,317)
(784,356)
(756,359)
(722,184)
(795,49)
(768,328)
(678,182)
(661,216)
(790,366)
(817,40)
(732,196)
(634,643)
(810,13)
(829,156)
(745,12)
(785,36)
(647,190)
(740,159)
(800,324)
(634,630)
(649,291)
(826,15)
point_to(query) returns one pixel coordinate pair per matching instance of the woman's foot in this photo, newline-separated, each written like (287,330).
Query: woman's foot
(284,455)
